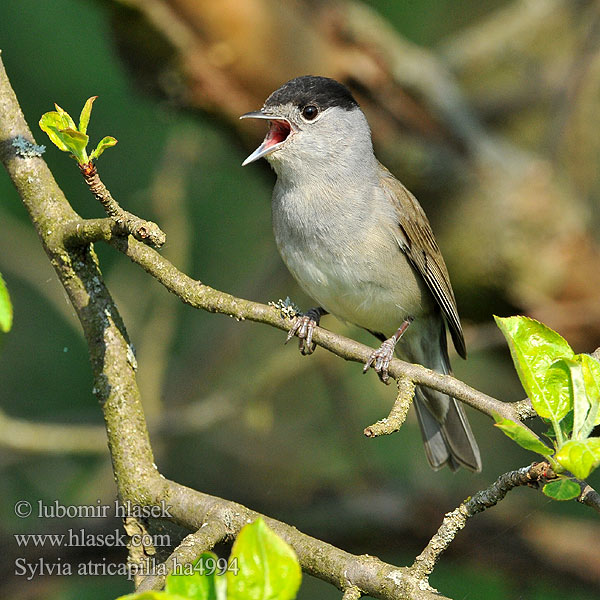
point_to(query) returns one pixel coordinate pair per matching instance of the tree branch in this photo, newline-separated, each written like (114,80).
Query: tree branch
(188,552)
(126,222)
(113,365)
(66,239)
(397,416)
(199,295)
(29,436)
(456,520)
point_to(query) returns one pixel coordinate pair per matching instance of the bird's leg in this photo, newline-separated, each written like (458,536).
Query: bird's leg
(380,358)
(303,327)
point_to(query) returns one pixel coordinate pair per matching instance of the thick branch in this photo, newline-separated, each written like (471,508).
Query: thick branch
(372,576)
(111,355)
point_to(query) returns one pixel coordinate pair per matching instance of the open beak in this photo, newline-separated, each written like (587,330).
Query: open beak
(279,131)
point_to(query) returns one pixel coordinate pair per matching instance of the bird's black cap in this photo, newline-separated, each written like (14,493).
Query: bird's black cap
(309,89)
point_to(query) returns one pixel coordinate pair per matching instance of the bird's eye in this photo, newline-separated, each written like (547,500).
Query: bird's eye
(310,112)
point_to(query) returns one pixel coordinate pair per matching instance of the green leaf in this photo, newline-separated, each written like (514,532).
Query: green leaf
(6,309)
(76,142)
(525,438)
(67,121)
(63,135)
(534,347)
(267,566)
(557,382)
(591,376)
(86,111)
(581,404)
(562,489)
(103,144)
(51,123)
(197,585)
(580,457)
(567,424)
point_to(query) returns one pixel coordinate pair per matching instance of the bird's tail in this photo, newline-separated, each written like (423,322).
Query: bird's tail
(447,435)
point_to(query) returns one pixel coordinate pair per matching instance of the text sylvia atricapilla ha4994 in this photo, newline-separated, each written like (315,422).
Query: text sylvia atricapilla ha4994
(359,243)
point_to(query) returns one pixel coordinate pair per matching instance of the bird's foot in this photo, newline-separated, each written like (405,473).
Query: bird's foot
(380,359)
(304,327)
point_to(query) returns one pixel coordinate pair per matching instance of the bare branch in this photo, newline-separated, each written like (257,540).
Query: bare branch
(397,416)
(351,593)
(372,576)
(589,496)
(29,436)
(126,222)
(199,295)
(139,554)
(532,475)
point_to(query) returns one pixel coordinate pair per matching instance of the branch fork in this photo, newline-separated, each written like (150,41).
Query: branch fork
(128,223)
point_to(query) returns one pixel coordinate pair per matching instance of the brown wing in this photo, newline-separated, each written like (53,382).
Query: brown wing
(417,242)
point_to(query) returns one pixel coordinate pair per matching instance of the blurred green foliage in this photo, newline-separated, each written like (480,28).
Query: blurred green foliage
(6,309)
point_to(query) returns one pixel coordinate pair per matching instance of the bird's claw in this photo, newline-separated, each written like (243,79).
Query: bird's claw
(380,360)
(303,327)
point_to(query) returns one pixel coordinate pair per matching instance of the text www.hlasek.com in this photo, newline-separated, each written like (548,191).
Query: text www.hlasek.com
(79,538)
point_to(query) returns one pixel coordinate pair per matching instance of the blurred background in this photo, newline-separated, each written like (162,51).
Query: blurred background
(487,110)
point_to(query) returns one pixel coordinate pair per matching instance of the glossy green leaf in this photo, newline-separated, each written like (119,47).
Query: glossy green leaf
(534,347)
(67,121)
(580,457)
(197,585)
(591,376)
(103,144)
(267,566)
(566,425)
(51,123)
(557,383)
(76,142)
(86,111)
(562,489)
(6,309)
(525,438)
(581,404)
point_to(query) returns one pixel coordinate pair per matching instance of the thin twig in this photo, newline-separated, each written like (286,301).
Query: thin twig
(589,496)
(352,593)
(454,521)
(397,416)
(188,552)
(128,223)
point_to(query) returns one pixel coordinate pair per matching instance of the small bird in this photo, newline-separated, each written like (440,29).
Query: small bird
(359,243)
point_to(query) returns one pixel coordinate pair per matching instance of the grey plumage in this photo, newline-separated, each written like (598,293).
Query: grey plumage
(359,243)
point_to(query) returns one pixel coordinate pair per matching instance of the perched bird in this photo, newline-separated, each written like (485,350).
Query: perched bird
(359,243)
